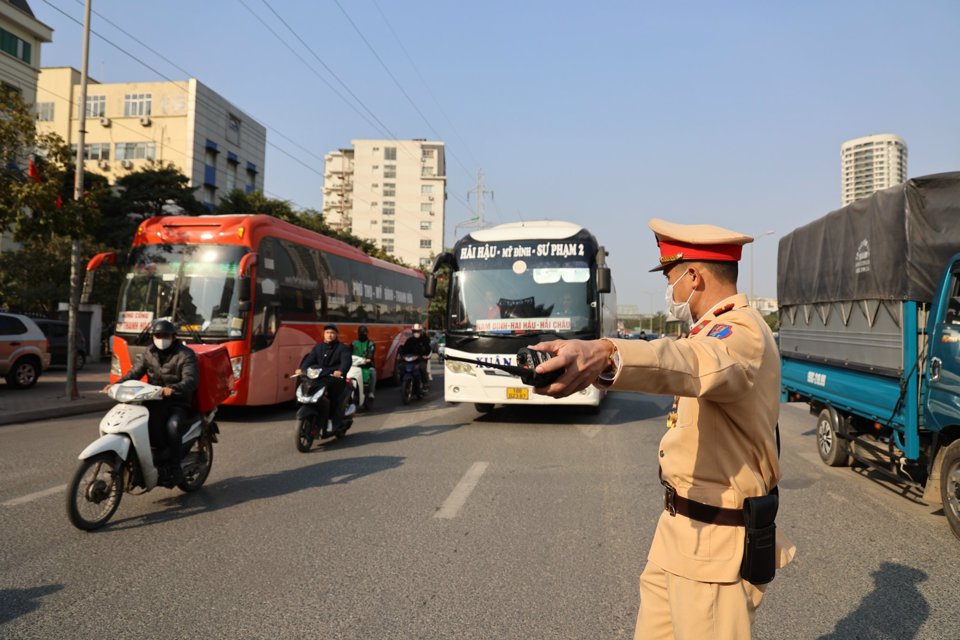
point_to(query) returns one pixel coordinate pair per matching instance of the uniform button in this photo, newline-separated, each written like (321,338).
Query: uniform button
(661,453)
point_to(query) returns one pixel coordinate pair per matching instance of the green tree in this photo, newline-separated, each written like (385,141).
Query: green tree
(156,189)
(773,320)
(36,183)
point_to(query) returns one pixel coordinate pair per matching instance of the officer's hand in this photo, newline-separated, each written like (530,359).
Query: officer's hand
(337,374)
(106,388)
(295,373)
(166,392)
(583,360)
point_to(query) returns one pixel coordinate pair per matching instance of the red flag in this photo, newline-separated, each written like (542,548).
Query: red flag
(32,170)
(59,202)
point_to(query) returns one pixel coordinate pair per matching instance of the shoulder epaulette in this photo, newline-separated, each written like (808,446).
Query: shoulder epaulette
(722,310)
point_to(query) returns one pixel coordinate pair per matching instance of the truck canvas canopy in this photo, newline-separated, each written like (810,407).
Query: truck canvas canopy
(891,246)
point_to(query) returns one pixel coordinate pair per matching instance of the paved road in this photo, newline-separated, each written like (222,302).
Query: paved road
(431,521)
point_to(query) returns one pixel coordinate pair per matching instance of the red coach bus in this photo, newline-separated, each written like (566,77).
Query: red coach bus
(264,289)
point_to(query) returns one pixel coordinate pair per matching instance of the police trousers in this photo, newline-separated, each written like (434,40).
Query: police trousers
(677,608)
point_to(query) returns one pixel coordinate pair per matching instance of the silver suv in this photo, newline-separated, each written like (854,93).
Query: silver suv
(24,352)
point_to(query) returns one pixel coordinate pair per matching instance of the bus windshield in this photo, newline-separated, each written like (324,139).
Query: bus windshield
(193,284)
(522,301)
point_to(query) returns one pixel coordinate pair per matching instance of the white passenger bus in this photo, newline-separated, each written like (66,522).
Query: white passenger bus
(515,285)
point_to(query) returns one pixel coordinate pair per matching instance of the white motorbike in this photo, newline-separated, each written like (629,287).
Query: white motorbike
(123,458)
(358,378)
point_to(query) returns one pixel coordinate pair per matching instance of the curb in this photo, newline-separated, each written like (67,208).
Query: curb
(67,408)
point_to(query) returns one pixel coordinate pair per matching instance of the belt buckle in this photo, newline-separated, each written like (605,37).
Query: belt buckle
(669,493)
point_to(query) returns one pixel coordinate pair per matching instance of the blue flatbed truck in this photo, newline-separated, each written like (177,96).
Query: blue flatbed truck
(869,335)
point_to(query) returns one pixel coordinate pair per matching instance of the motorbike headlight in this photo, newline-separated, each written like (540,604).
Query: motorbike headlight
(313,373)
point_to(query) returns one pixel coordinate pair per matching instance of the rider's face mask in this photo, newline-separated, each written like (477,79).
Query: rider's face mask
(680,310)
(162,343)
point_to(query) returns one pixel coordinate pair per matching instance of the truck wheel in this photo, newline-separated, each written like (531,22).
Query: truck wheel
(832,448)
(950,486)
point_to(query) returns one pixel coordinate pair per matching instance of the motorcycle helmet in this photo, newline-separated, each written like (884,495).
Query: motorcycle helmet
(163,328)
(362,333)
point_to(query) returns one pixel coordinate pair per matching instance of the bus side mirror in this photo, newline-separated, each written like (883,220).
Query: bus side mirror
(603,280)
(430,286)
(244,294)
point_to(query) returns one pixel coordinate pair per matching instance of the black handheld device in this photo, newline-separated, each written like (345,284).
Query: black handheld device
(526,368)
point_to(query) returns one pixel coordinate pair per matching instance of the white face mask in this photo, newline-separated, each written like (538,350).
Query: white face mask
(162,343)
(679,310)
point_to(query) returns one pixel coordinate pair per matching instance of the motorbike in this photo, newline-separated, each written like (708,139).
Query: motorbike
(123,459)
(358,377)
(313,416)
(411,379)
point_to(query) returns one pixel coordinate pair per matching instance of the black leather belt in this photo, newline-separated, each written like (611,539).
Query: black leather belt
(699,511)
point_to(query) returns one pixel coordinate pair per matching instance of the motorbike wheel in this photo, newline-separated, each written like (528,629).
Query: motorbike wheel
(304,435)
(202,453)
(407,394)
(95,491)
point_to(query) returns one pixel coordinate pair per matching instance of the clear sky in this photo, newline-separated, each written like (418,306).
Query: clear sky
(602,113)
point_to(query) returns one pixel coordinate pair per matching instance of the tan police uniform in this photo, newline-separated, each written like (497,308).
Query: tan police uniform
(723,449)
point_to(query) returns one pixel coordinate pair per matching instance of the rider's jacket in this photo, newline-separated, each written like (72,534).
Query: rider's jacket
(175,367)
(330,357)
(364,349)
(416,346)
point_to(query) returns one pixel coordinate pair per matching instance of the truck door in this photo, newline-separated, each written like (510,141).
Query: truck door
(943,365)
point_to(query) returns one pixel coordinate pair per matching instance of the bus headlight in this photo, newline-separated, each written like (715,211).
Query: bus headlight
(237,365)
(460,367)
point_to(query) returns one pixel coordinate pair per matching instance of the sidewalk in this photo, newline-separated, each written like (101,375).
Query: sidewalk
(47,399)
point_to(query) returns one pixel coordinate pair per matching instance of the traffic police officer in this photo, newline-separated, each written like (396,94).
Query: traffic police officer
(723,449)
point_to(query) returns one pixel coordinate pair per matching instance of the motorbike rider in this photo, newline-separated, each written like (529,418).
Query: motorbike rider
(364,347)
(170,364)
(419,344)
(334,360)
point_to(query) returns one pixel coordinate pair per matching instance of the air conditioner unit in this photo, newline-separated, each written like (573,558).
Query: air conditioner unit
(104,121)
(145,121)
(127,164)
(104,164)
(430,198)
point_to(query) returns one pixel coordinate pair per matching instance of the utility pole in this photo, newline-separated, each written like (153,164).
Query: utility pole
(74,303)
(481,191)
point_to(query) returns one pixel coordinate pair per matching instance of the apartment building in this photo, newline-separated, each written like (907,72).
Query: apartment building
(212,142)
(392,192)
(21,36)
(870,164)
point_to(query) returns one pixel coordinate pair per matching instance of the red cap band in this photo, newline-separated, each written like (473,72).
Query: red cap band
(674,251)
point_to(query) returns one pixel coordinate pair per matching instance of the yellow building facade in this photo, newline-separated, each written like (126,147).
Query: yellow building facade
(184,123)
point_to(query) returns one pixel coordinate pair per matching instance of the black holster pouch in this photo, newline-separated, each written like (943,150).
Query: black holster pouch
(760,548)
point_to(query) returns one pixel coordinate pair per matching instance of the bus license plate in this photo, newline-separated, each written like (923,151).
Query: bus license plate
(518,393)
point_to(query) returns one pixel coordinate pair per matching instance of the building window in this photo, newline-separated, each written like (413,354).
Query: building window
(96,106)
(426,207)
(387,244)
(231,181)
(426,244)
(137,104)
(45,111)
(425,262)
(14,46)
(251,180)
(389,171)
(210,157)
(389,189)
(425,225)
(389,208)
(96,151)
(426,153)
(389,153)
(427,171)
(387,226)
(426,189)
(136,151)
(233,129)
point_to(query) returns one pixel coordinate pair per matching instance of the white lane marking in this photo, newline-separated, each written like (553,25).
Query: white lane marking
(33,496)
(455,501)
